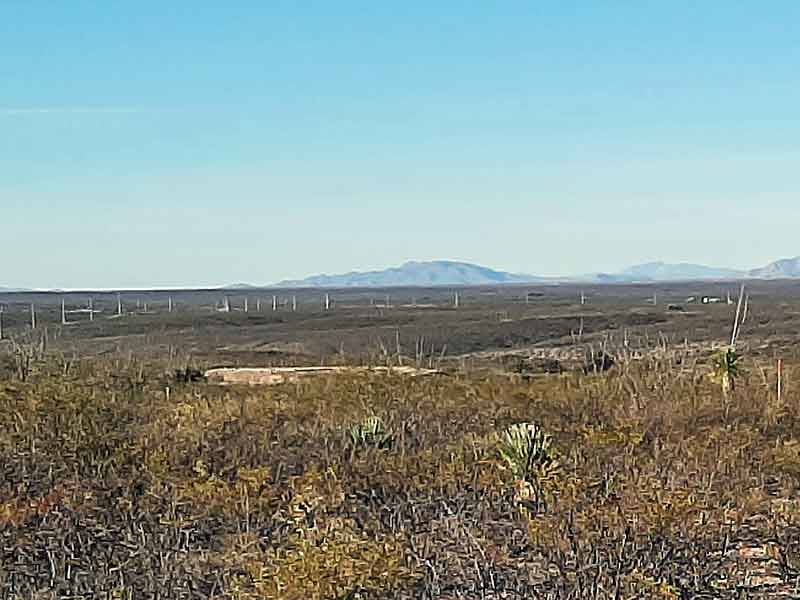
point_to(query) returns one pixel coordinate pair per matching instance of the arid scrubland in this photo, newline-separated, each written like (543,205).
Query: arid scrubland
(645,481)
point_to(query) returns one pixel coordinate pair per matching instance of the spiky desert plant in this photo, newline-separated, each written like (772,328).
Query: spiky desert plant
(530,456)
(526,449)
(726,369)
(370,432)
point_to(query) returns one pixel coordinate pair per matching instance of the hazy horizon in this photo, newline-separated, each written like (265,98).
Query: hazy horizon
(256,143)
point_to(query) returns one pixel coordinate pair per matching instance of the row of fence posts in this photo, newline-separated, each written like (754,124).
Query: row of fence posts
(328,304)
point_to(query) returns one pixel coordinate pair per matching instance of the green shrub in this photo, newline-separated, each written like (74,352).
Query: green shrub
(370,433)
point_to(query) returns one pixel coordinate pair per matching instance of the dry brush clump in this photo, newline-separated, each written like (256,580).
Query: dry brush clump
(640,482)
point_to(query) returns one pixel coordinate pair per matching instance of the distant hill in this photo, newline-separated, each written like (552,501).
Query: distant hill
(788,268)
(660,271)
(240,286)
(9,290)
(417,274)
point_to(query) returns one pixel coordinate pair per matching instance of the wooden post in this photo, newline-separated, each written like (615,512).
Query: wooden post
(33,316)
(327,301)
(91,310)
(226,307)
(274,303)
(455,300)
(246,308)
(736,324)
(583,298)
(258,304)
(294,303)
(119,304)
(63,312)
(170,304)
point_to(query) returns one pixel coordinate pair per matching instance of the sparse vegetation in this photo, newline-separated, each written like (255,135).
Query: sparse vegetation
(125,479)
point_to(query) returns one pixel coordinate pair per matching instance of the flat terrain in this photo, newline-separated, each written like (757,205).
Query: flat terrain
(124,479)
(367,326)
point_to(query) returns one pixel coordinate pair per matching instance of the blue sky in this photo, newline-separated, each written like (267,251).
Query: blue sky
(202,143)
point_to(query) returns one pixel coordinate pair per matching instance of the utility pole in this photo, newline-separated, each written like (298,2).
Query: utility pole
(63,312)
(274,303)
(119,304)
(91,310)
(327,301)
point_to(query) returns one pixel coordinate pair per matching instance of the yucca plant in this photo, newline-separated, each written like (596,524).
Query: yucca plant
(370,433)
(530,456)
(726,369)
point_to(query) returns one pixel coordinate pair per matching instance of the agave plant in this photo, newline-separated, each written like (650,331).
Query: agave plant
(726,369)
(529,454)
(370,432)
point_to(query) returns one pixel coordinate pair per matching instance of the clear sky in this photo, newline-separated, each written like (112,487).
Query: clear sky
(148,143)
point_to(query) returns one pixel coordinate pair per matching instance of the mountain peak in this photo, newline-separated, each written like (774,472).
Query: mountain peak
(416,273)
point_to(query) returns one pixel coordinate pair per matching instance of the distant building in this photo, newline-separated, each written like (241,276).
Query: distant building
(711,300)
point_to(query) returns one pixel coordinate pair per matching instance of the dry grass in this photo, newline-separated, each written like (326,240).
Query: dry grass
(113,488)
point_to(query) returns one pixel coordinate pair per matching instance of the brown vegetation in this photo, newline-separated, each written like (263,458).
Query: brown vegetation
(663,489)
(535,469)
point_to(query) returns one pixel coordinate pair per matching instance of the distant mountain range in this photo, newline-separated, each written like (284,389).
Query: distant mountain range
(659,271)
(444,272)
